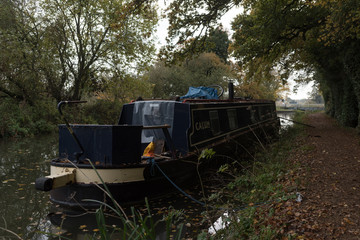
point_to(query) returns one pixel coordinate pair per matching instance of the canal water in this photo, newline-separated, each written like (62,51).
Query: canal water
(28,213)
(285,118)
(23,209)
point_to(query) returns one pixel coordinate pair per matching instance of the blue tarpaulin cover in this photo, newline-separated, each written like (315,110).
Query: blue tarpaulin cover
(202,93)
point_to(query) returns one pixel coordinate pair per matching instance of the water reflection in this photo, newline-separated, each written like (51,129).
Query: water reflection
(79,224)
(285,118)
(23,208)
(29,213)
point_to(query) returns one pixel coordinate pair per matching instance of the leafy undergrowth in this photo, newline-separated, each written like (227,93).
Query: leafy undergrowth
(256,202)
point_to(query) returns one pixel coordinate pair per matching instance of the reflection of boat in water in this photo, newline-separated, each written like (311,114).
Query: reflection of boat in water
(73,224)
(154,141)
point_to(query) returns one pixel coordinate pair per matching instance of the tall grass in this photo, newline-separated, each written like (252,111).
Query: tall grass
(136,228)
(139,226)
(251,196)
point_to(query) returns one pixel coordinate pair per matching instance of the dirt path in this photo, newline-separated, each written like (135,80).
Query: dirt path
(331,189)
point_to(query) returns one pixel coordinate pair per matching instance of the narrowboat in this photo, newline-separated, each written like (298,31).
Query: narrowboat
(155,146)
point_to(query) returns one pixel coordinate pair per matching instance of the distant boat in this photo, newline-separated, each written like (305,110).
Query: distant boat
(155,142)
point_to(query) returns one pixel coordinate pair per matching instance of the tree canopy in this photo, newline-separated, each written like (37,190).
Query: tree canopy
(192,23)
(218,42)
(171,81)
(56,50)
(320,37)
(68,49)
(53,50)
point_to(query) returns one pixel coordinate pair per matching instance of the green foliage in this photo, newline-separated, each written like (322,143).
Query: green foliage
(124,88)
(316,95)
(101,112)
(141,226)
(68,49)
(53,50)
(218,42)
(207,154)
(299,35)
(352,68)
(92,39)
(18,78)
(215,41)
(175,80)
(274,39)
(191,22)
(20,120)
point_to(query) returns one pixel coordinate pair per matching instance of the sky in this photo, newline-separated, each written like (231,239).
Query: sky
(303,90)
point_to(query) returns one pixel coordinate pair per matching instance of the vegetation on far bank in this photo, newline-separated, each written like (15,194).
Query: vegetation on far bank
(22,120)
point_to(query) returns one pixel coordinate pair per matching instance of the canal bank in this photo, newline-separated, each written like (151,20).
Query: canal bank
(328,179)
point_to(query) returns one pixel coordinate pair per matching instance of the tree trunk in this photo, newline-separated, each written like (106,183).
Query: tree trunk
(352,68)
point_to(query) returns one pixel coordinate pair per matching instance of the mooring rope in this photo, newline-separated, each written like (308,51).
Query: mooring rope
(153,163)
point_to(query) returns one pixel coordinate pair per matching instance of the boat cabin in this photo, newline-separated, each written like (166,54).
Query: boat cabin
(179,126)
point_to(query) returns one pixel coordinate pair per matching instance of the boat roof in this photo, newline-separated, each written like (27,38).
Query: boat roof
(194,101)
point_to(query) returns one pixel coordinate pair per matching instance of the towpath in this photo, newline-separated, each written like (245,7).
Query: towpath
(330,183)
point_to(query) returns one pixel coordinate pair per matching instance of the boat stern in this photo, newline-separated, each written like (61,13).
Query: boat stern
(57,180)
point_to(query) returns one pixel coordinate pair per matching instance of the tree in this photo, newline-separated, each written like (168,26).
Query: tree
(63,49)
(218,42)
(124,87)
(195,18)
(191,23)
(258,85)
(321,37)
(19,78)
(87,38)
(316,95)
(316,35)
(171,81)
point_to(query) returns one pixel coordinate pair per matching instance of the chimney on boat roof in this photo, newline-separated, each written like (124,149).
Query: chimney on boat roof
(231,90)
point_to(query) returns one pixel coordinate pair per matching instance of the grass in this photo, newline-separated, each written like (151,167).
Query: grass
(140,226)
(253,195)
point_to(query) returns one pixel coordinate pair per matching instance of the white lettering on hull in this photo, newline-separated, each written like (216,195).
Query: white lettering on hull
(202,125)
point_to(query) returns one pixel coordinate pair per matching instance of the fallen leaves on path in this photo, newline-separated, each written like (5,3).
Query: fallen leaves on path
(328,178)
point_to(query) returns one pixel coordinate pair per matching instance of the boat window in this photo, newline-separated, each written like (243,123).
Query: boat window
(233,122)
(215,123)
(152,113)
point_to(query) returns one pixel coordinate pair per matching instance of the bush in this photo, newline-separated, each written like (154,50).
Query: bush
(103,111)
(22,120)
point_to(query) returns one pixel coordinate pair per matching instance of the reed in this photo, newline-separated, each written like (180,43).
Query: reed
(253,190)
(138,227)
